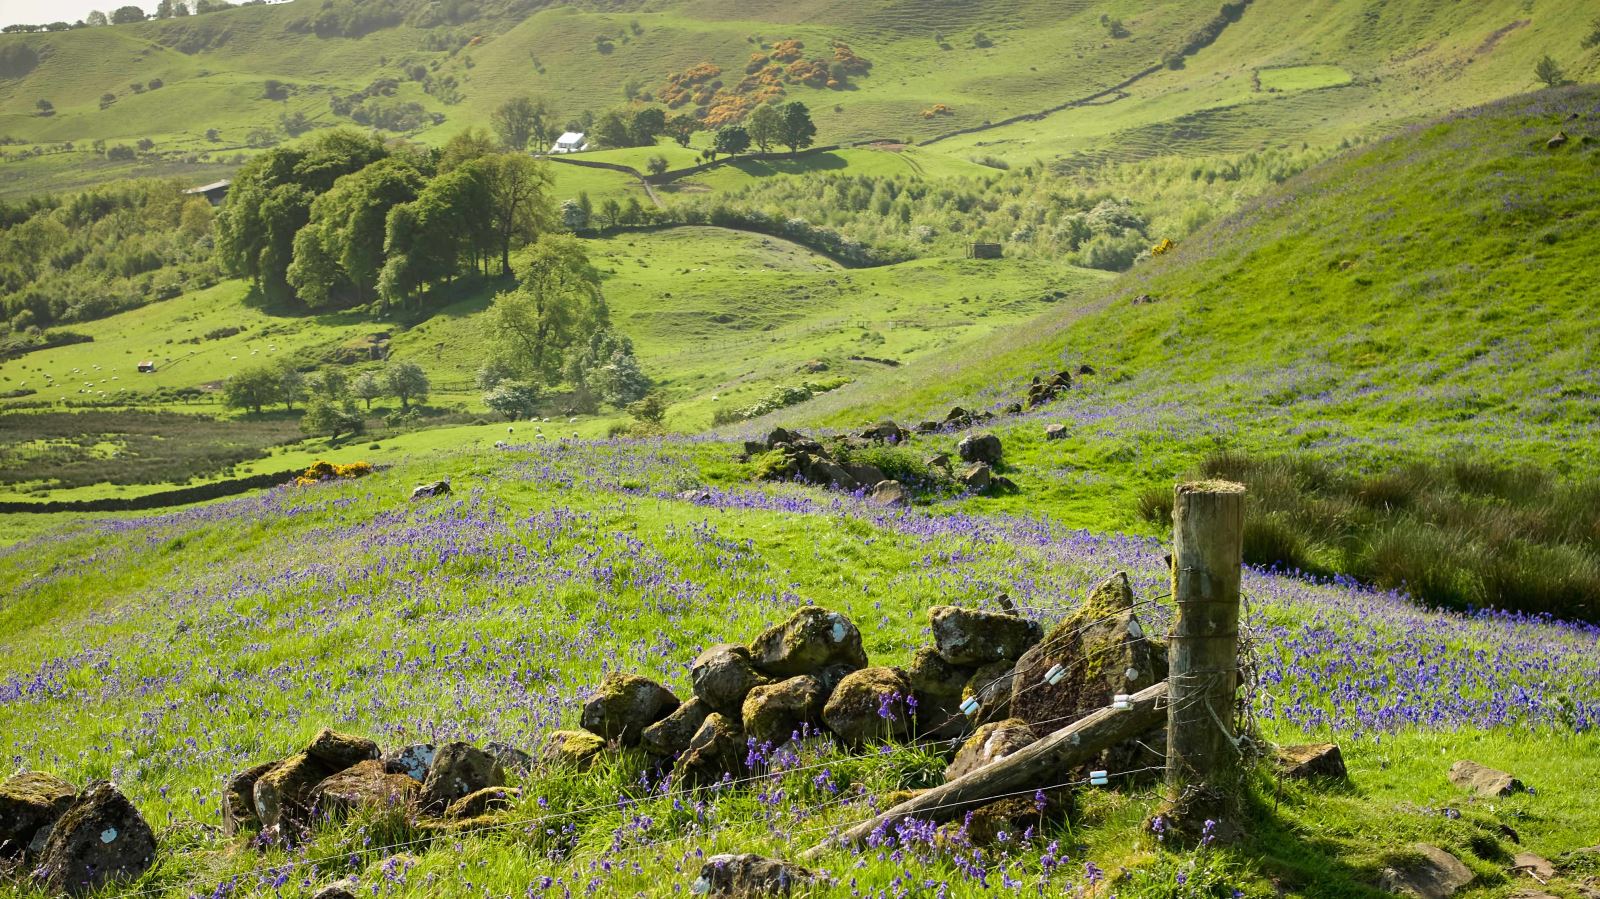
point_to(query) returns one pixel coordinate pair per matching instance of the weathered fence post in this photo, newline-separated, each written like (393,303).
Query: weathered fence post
(1204,766)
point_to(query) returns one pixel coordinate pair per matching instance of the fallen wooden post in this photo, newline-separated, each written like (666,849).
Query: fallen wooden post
(1042,764)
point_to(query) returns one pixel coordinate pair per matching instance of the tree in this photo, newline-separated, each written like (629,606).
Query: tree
(573,218)
(798,131)
(682,127)
(605,363)
(126,15)
(343,243)
(765,126)
(251,389)
(325,415)
(291,385)
(367,387)
(330,384)
(96,18)
(406,381)
(469,145)
(519,208)
(1549,71)
(556,304)
(45,107)
(731,140)
(645,125)
(106,99)
(513,399)
(650,411)
(657,164)
(612,130)
(1592,39)
(517,120)
(164,9)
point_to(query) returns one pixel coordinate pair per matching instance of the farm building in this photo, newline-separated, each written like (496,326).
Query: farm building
(147,367)
(570,142)
(985,251)
(216,191)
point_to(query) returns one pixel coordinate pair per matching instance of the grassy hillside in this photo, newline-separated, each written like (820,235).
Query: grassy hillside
(1426,296)
(1278,72)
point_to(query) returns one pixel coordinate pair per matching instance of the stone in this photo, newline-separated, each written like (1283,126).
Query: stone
(481,802)
(624,705)
(1312,760)
(750,876)
(825,472)
(671,735)
(413,761)
(341,751)
(942,460)
(937,685)
(718,748)
(1014,409)
(1085,369)
(976,478)
(977,637)
(1432,874)
(437,488)
(31,803)
(957,413)
(723,675)
(990,743)
(1486,782)
(366,785)
(283,793)
(869,705)
(1104,650)
(886,432)
(573,749)
(979,448)
(1536,866)
(458,769)
(99,840)
(927,427)
(779,436)
(1559,140)
(865,474)
(239,800)
(890,493)
(775,712)
(1056,431)
(512,760)
(991,686)
(347,888)
(812,638)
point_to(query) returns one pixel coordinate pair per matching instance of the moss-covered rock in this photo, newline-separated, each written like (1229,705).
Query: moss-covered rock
(624,705)
(991,685)
(937,684)
(31,803)
(341,751)
(283,793)
(774,713)
(723,676)
(101,839)
(990,743)
(976,637)
(671,735)
(869,705)
(811,639)
(239,800)
(717,750)
(571,749)
(482,802)
(1104,650)
(458,769)
(365,785)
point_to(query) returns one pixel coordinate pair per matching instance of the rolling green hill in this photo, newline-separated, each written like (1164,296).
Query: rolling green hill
(1426,296)
(1276,72)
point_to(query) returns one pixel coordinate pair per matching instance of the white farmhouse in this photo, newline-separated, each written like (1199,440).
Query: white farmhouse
(570,142)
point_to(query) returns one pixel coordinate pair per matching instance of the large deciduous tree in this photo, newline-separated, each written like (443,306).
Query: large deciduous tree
(557,303)
(765,126)
(519,120)
(798,131)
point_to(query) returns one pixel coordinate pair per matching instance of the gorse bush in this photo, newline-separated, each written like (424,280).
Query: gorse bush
(1460,534)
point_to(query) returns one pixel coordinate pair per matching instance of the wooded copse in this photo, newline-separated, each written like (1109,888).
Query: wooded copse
(344,220)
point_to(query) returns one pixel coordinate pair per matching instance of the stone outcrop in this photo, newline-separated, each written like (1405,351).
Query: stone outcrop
(458,769)
(811,639)
(869,705)
(976,637)
(30,805)
(624,705)
(100,839)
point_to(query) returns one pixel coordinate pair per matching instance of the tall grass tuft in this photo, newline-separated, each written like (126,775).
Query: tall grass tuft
(1461,534)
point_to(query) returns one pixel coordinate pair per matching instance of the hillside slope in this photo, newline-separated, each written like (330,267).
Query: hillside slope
(1429,294)
(1274,71)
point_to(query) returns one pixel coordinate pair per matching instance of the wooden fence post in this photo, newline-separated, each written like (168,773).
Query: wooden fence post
(1204,766)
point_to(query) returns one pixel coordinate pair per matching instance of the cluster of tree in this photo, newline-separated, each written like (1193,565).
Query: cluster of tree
(555,327)
(329,395)
(524,120)
(101,251)
(639,126)
(1083,214)
(127,15)
(788,125)
(343,219)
